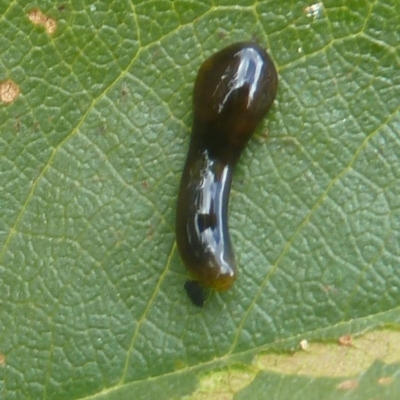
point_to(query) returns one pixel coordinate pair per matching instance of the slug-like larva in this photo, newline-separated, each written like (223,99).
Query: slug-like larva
(234,90)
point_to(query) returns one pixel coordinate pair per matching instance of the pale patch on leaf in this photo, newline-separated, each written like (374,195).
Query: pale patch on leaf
(222,384)
(386,380)
(38,18)
(314,11)
(333,360)
(9,91)
(304,345)
(348,385)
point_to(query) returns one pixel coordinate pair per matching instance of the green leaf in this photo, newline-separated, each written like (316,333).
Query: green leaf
(92,303)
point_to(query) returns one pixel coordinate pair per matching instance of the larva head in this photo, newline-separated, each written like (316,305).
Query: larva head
(234,90)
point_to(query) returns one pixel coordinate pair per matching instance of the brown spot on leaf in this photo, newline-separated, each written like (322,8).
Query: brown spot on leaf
(9,91)
(329,289)
(17,124)
(347,385)
(221,34)
(346,340)
(102,128)
(124,93)
(2,360)
(38,18)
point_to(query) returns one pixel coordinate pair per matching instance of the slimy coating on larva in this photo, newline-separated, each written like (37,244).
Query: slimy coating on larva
(234,90)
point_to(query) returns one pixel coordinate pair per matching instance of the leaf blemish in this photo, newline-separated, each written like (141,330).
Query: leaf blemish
(304,345)
(2,360)
(348,385)
(9,91)
(124,94)
(386,380)
(314,11)
(17,124)
(38,18)
(346,340)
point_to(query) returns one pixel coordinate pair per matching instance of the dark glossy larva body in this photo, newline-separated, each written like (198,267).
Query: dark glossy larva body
(234,90)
